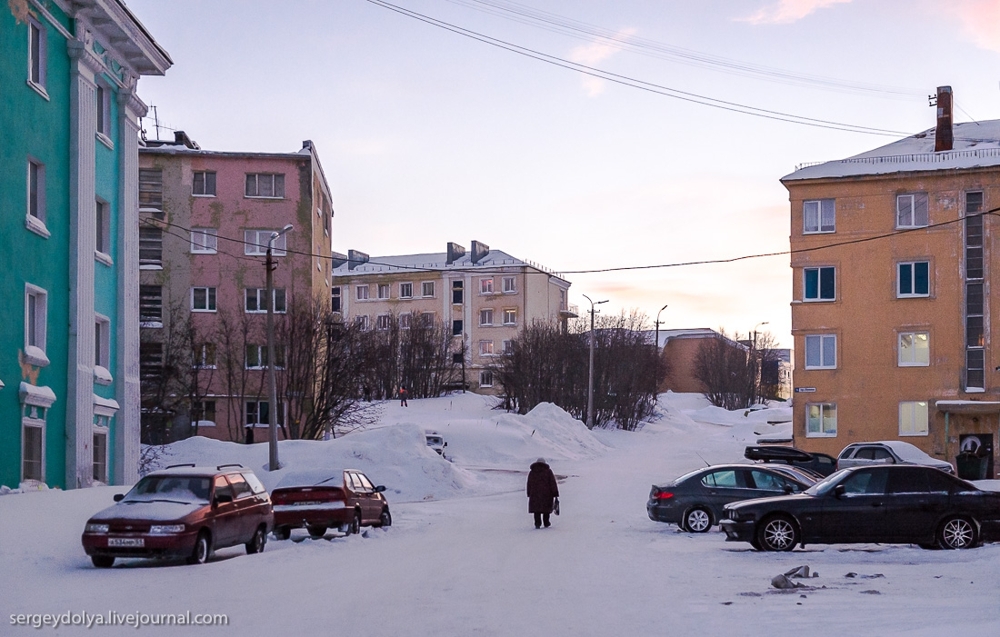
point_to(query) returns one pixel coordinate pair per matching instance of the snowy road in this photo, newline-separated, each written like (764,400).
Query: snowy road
(477,566)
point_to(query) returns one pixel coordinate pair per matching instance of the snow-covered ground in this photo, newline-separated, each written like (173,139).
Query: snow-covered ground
(463,558)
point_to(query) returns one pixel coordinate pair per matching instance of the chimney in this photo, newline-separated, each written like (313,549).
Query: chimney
(337,260)
(307,145)
(479,250)
(455,252)
(355,258)
(943,139)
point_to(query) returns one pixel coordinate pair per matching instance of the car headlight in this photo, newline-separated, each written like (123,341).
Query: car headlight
(164,529)
(96,528)
(740,516)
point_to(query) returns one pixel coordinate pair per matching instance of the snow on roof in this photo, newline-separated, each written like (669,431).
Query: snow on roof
(977,145)
(437,261)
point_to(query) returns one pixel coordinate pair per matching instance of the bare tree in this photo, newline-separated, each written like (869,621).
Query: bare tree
(730,369)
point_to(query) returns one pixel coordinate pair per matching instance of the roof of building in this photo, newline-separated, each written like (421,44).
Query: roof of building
(437,261)
(976,145)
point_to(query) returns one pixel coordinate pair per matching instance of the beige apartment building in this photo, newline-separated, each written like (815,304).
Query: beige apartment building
(485,297)
(893,258)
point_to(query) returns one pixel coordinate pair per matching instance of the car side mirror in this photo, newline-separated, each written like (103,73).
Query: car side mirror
(379,489)
(119,497)
(222,499)
(839,490)
(788,489)
(446,444)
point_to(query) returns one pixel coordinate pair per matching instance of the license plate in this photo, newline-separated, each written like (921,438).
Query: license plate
(126,541)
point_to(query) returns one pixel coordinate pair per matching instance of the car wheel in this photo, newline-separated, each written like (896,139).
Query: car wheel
(282,533)
(102,561)
(257,542)
(778,534)
(202,549)
(385,519)
(698,520)
(957,533)
(316,532)
(355,527)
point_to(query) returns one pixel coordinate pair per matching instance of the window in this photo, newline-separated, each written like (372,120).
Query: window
(820,283)
(457,358)
(913,279)
(362,322)
(508,347)
(204,356)
(265,185)
(975,369)
(35,321)
(151,305)
(255,242)
(485,378)
(258,413)
(203,299)
(457,290)
(102,218)
(818,215)
(203,412)
(911,210)
(100,463)
(32,449)
(383,321)
(821,420)
(406,290)
(486,286)
(37,50)
(150,248)
(510,316)
(150,361)
(361,293)
(405,321)
(486,348)
(204,184)
(726,479)
(456,327)
(486,316)
(913,418)
(383,290)
(914,349)
(427,319)
(151,190)
(102,342)
(821,351)
(205,241)
(975,355)
(427,289)
(36,197)
(256,357)
(256,300)
(335,299)
(104,113)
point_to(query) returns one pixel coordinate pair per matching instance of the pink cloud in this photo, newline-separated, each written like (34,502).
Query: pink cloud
(981,20)
(787,11)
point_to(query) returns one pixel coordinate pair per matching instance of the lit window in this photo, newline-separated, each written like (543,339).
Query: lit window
(913,419)
(510,317)
(821,420)
(911,210)
(818,215)
(821,351)
(486,348)
(820,284)
(914,349)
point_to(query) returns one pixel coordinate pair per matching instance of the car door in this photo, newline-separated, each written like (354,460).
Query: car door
(355,496)
(859,513)
(225,514)
(722,486)
(245,503)
(766,484)
(912,508)
(373,502)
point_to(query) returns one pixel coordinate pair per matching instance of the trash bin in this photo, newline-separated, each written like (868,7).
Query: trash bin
(971,466)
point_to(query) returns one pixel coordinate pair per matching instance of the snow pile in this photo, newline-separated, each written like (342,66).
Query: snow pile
(743,425)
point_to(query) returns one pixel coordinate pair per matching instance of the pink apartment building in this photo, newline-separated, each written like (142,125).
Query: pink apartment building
(205,220)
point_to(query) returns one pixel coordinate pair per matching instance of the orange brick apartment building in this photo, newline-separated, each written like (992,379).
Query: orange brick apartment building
(893,258)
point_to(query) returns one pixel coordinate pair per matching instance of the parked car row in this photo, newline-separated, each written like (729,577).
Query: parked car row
(880,492)
(186,511)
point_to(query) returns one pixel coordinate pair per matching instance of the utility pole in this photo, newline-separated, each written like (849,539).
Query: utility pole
(272,412)
(590,377)
(656,348)
(755,359)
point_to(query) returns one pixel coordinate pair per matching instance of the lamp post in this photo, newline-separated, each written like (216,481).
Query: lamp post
(590,377)
(753,352)
(656,348)
(272,412)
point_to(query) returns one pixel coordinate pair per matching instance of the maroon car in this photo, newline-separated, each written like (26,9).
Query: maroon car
(344,499)
(182,511)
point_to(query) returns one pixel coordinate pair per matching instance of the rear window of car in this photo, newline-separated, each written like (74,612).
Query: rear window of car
(255,484)
(240,487)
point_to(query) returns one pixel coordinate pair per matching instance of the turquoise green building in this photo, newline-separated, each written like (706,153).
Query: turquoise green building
(69,137)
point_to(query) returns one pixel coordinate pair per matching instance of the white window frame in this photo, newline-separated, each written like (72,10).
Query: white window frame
(914,418)
(35,423)
(486,286)
(280,418)
(102,350)
(363,322)
(100,476)
(104,124)
(256,179)
(912,198)
(486,317)
(405,320)
(204,183)
(510,285)
(204,241)
(821,340)
(913,280)
(819,298)
(508,346)
(259,294)
(510,316)
(486,348)
(37,32)
(362,292)
(102,223)
(383,322)
(260,353)
(383,287)
(424,287)
(202,360)
(914,360)
(485,378)
(36,211)
(821,431)
(406,290)
(203,422)
(210,300)
(813,216)
(36,309)
(427,319)
(255,243)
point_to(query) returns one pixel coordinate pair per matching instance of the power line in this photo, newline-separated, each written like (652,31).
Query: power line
(650,87)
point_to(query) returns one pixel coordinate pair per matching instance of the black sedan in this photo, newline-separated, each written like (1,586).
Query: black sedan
(694,501)
(889,503)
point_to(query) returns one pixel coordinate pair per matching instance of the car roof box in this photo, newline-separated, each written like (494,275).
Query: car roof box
(776,452)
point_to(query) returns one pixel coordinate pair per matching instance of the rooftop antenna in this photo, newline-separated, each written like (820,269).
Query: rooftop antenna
(156,121)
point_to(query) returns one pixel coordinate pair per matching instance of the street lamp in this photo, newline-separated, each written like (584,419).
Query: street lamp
(656,348)
(590,378)
(753,356)
(272,412)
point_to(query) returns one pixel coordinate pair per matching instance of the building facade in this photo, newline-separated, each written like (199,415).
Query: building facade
(69,136)
(485,297)
(206,220)
(893,253)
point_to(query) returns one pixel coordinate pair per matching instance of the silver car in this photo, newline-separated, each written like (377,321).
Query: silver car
(888,452)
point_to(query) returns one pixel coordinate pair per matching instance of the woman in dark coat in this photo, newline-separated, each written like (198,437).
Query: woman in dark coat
(542,492)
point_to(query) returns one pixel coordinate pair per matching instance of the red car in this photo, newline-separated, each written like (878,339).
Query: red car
(182,511)
(318,500)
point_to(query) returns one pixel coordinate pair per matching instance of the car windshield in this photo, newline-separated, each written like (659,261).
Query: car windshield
(827,483)
(193,489)
(434,440)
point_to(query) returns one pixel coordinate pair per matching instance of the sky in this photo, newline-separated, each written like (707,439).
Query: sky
(427,134)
